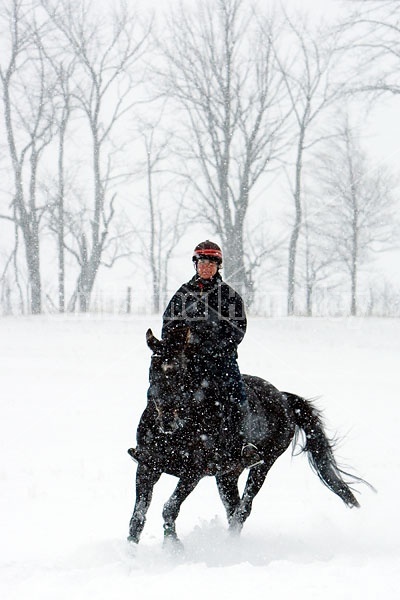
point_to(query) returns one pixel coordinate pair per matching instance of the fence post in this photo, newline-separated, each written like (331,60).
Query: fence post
(128,299)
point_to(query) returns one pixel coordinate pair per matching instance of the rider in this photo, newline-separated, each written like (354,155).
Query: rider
(216,317)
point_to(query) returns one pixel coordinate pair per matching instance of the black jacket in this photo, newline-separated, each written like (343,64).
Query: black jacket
(215,314)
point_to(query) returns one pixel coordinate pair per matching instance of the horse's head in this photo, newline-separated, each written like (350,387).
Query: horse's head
(167,388)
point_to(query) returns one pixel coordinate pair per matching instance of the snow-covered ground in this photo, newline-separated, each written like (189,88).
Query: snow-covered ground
(72,390)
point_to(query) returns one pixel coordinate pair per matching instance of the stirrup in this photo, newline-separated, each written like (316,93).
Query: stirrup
(250,456)
(133,454)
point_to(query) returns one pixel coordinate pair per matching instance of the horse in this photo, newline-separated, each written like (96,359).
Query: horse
(179,433)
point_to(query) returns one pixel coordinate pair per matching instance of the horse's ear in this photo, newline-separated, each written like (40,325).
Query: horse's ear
(153,343)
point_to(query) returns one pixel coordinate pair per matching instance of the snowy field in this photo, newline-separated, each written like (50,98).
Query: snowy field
(72,391)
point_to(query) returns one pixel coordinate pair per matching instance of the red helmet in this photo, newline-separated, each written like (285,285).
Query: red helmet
(208,250)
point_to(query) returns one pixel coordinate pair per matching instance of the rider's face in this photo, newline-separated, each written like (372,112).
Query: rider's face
(206,269)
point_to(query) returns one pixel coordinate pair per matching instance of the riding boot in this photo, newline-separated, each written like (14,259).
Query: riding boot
(249,455)
(232,431)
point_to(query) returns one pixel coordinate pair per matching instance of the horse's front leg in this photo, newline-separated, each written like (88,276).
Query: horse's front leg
(146,478)
(253,485)
(172,507)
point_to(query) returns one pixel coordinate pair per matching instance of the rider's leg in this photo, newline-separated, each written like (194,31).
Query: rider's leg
(235,407)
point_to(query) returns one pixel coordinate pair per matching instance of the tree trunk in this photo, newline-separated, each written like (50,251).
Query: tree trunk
(90,260)
(33,264)
(89,269)
(292,266)
(309,299)
(296,227)
(355,231)
(234,269)
(25,219)
(61,189)
(153,262)
(354,270)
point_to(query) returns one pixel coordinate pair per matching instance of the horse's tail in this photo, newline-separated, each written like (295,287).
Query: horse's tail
(320,450)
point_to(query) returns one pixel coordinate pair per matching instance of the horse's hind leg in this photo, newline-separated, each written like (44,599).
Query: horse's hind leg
(229,493)
(253,485)
(172,506)
(146,478)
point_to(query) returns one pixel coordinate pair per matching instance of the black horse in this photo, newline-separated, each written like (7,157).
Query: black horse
(179,434)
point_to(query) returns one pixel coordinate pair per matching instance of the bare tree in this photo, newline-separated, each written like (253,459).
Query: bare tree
(373,39)
(64,76)
(153,157)
(307,74)
(384,299)
(318,253)
(219,69)
(28,112)
(359,215)
(164,208)
(107,51)
(56,190)
(10,271)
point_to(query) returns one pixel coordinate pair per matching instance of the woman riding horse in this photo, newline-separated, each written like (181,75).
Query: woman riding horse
(176,436)
(194,376)
(216,316)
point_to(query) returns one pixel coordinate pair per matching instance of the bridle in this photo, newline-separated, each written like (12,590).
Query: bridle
(168,390)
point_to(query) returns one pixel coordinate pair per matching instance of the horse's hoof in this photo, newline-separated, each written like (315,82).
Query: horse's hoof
(173,545)
(132,539)
(235,527)
(171,541)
